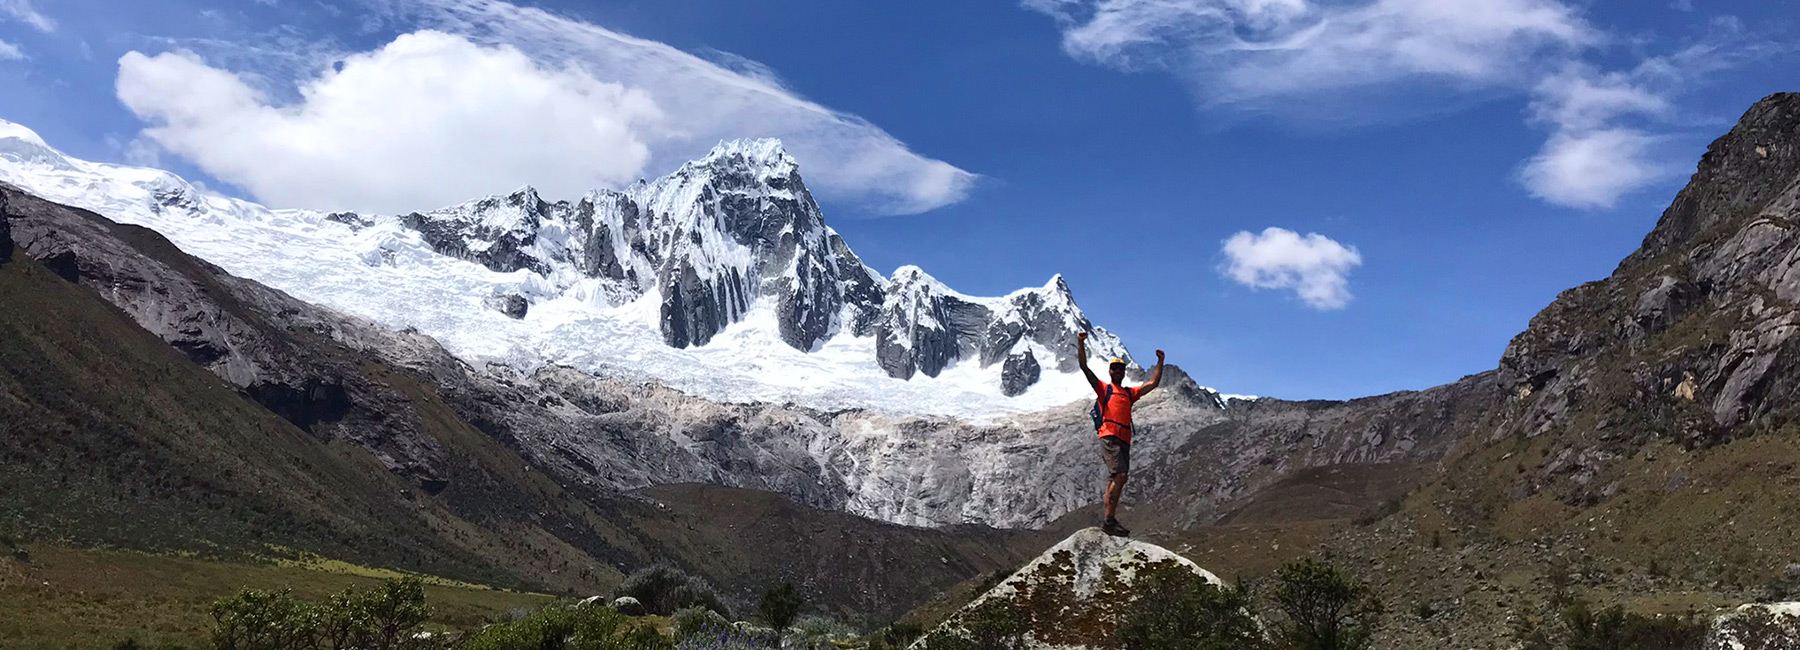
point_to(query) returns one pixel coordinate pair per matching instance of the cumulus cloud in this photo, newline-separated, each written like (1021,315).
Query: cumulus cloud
(550,101)
(427,120)
(11,52)
(1592,169)
(1316,267)
(22,11)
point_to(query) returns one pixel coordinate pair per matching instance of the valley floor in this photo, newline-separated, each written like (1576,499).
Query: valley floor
(55,597)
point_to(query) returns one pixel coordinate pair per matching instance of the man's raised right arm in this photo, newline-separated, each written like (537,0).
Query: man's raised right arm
(1081,359)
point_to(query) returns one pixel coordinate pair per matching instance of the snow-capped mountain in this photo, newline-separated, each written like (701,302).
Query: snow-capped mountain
(720,279)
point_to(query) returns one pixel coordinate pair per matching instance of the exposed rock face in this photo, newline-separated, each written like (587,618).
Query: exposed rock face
(1019,373)
(6,242)
(1694,334)
(511,304)
(1073,595)
(1769,626)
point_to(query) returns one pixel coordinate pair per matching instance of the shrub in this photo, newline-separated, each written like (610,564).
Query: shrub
(257,619)
(714,635)
(779,606)
(386,618)
(1578,627)
(991,625)
(565,627)
(1176,609)
(663,589)
(818,632)
(693,620)
(900,634)
(1324,608)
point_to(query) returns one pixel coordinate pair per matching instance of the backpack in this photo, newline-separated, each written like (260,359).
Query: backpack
(1098,411)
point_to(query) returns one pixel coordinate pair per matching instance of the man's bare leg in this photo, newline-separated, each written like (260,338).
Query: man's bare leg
(1115,487)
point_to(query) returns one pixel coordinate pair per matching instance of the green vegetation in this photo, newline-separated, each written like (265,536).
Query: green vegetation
(78,598)
(568,627)
(665,589)
(1324,609)
(991,625)
(1176,609)
(780,605)
(1577,626)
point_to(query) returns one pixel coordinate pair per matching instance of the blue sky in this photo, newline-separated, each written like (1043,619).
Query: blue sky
(1440,171)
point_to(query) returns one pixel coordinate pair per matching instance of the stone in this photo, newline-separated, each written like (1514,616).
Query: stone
(628,606)
(511,304)
(1073,594)
(1019,373)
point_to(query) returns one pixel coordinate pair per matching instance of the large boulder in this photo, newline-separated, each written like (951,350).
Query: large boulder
(628,606)
(1074,594)
(1770,626)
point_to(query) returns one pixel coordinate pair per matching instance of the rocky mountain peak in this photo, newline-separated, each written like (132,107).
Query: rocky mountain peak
(765,155)
(732,235)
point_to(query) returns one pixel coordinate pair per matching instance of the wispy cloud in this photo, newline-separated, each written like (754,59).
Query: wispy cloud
(657,106)
(1603,143)
(1311,59)
(22,11)
(1257,52)
(11,52)
(1315,267)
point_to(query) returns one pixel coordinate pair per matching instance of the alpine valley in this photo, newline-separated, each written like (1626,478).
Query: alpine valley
(548,393)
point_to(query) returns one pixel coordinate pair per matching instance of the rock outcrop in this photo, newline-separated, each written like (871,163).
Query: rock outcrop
(1762,626)
(1074,594)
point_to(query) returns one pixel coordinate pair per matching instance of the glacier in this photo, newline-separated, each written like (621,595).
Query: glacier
(719,280)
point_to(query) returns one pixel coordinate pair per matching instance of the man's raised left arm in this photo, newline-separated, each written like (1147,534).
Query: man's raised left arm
(1155,376)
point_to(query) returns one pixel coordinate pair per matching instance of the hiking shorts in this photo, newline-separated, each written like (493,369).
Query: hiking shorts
(1117,454)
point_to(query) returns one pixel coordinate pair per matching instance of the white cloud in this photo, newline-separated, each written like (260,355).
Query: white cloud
(1590,161)
(11,52)
(1335,60)
(1316,267)
(22,11)
(700,102)
(1259,51)
(428,120)
(1592,169)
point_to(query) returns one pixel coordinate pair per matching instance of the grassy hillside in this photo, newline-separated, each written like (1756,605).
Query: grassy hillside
(57,597)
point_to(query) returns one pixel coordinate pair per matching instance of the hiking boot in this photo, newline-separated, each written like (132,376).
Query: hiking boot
(1112,527)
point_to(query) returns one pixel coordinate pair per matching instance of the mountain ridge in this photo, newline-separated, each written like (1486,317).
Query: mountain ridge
(726,259)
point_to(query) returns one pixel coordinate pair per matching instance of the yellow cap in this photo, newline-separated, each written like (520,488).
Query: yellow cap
(1117,362)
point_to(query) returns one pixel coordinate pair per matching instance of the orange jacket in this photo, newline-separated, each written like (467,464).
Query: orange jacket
(1115,414)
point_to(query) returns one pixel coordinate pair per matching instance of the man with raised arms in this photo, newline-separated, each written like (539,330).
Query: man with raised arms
(1112,407)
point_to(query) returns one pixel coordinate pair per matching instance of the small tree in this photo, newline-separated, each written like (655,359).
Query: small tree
(382,619)
(1325,609)
(256,619)
(1176,609)
(779,606)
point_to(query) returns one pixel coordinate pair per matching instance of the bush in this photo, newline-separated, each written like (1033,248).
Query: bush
(387,618)
(664,589)
(714,635)
(1176,609)
(1324,608)
(779,606)
(693,620)
(992,625)
(818,632)
(566,627)
(1578,627)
